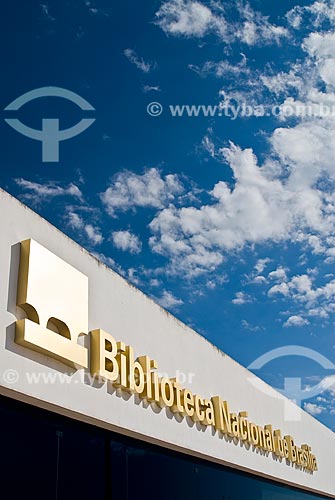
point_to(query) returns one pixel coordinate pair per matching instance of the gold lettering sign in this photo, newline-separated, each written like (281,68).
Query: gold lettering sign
(115,362)
(54,296)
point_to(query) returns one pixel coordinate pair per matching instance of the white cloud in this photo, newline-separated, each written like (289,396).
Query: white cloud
(294,17)
(92,232)
(193,19)
(154,282)
(315,301)
(37,193)
(247,326)
(169,301)
(255,277)
(328,383)
(313,408)
(258,280)
(208,144)
(278,274)
(187,18)
(75,221)
(281,289)
(129,190)
(296,321)
(318,14)
(282,82)
(275,200)
(241,298)
(261,265)
(288,197)
(46,12)
(258,208)
(320,45)
(131,275)
(140,64)
(322,48)
(126,241)
(222,68)
(151,88)
(325,402)
(94,11)
(256,28)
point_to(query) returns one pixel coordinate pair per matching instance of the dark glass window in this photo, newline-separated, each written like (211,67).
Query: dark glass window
(48,456)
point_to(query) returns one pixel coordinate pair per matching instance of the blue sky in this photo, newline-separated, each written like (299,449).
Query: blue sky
(226,220)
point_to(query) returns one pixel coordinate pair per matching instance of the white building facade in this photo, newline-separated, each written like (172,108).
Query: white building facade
(104,393)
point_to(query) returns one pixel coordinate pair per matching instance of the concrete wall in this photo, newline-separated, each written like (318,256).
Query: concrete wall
(129,315)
